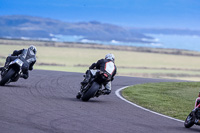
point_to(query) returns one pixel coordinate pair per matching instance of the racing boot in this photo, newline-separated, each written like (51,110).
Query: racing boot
(25,76)
(106,91)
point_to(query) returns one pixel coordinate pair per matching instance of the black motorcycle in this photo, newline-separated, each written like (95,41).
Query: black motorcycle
(193,118)
(94,87)
(13,72)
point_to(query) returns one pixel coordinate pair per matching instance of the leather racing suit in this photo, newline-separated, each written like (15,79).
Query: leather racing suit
(103,65)
(27,56)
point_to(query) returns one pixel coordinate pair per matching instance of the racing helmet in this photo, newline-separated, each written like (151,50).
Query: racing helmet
(110,57)
(33,48)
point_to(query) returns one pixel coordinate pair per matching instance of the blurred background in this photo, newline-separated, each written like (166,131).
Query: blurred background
(150,38)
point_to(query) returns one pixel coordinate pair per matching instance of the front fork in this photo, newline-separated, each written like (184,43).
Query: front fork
(85,88)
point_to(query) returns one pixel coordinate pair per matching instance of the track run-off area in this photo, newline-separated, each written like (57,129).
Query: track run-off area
(46,103)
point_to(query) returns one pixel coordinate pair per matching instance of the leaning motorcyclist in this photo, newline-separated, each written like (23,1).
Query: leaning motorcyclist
(28,56)
(196,106)
(107,66)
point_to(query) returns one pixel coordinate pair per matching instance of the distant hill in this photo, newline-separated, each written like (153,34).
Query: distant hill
(166,31)
(18,26)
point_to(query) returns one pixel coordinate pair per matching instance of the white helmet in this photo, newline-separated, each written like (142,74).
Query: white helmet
(110,57)
(33,48)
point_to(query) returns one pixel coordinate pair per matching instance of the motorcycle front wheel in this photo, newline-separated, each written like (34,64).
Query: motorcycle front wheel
(189,121)
(6,78)
(90,92)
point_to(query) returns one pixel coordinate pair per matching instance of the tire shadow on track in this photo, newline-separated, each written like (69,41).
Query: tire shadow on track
(188,129)
(13,86)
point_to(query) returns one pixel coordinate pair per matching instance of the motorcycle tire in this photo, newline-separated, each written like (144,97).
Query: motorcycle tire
(91,92)
(6,78)
(189,121)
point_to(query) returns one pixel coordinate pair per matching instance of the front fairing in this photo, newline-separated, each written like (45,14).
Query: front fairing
(16,65)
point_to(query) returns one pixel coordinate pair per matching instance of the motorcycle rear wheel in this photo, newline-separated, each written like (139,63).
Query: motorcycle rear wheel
(6,78)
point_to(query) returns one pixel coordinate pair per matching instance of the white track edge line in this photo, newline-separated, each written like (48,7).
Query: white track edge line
(117,92)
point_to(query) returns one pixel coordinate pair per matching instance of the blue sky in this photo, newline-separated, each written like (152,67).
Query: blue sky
(129,13)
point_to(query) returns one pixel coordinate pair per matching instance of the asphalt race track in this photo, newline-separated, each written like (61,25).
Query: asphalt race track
(46,103)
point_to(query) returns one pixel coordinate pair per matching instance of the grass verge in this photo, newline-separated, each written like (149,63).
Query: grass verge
(172,99)
(129,63)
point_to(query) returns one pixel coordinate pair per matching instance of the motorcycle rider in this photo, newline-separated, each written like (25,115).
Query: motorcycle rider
(197,102)
(28,56)
(107,66)
(197,105)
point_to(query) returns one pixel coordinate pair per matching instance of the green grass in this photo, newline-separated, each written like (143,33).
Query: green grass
(70,57)
(60,68)
(172,99)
